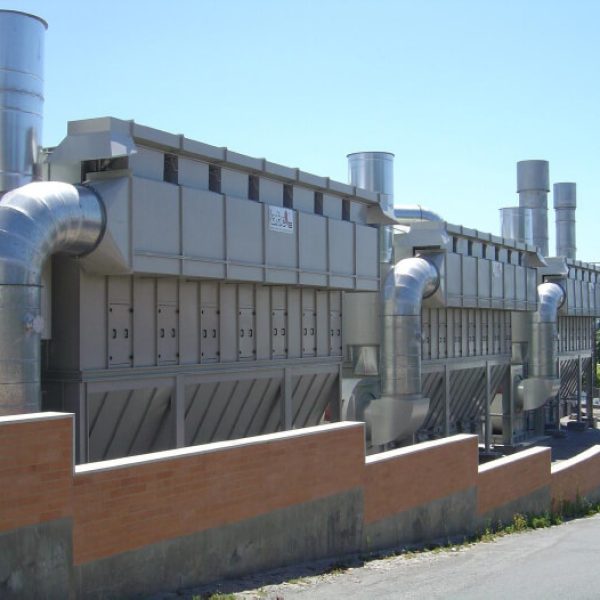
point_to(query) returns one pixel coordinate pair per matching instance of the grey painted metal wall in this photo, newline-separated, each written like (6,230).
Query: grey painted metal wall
(212,309)
(139,345)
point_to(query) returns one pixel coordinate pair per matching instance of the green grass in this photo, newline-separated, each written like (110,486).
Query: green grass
(216,596)
(560,513)
(337,568)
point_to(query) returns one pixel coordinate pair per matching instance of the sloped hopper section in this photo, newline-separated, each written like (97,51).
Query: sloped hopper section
(402,408)
(136,420)
(467,398)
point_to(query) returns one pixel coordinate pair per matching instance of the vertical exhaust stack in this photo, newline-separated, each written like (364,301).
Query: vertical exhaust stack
(565,203)
(533,185)
(372,171)
(21,96)
(517,224)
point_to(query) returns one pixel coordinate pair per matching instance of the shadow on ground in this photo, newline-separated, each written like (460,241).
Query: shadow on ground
(290,574)
(567,443)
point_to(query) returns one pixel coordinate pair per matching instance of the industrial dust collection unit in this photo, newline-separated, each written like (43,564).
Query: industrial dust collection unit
(172,293)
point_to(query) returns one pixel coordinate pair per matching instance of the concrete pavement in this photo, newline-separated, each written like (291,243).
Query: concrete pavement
(555,563)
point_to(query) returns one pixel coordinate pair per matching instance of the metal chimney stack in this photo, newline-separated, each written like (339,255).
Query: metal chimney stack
(565,203)
(374,171)
(533,185)
(517,224)
(21,96)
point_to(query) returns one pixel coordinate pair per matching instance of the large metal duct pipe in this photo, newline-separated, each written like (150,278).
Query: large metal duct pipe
(409,214)
(21,96)
(543,381)
(401,409)
(373,171)
(36,221)
(565,203)
(533,185)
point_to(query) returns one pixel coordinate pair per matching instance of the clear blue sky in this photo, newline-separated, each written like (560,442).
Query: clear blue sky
(459,90)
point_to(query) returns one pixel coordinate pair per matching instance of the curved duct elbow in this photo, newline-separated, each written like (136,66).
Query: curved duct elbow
(402,408)
(543,382)
(36,221)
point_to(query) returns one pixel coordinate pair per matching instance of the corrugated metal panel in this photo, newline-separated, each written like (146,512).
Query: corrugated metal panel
(467,397)
(311,395)
(433,388)
(127,422)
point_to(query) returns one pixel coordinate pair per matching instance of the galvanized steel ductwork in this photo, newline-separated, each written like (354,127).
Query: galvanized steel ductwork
(373,171)
(533,185)
(543,381)
(36,221)
(21,96)
(565,203)
(409,214)
(401,409)
(517,224)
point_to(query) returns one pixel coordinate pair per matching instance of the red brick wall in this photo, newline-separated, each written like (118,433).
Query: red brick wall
(507,479)
(36,469)
(577,476)
(129,503)
(402,479)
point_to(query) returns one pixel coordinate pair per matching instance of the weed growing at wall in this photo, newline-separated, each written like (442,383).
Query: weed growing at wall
(560,513)
(216,596)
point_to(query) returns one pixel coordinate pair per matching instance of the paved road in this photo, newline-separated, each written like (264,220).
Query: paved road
(559,562)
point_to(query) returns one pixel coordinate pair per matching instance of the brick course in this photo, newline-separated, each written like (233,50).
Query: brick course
(576,477)
(402,479)
(123,505)
(36,469)
(512,477)
(131,503)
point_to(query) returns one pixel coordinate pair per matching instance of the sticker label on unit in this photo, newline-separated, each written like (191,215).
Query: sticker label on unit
(281,219)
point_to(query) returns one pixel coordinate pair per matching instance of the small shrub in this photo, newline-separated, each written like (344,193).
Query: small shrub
(519,523)
(539,521)
(488,534)
(337,568)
